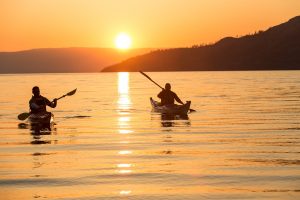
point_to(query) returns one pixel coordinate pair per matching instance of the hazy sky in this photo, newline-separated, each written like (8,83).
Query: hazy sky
(27,24)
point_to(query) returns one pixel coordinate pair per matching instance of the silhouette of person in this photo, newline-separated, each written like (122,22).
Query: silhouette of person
(167,96)
(38,103)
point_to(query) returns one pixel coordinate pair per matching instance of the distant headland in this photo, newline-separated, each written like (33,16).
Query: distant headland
(61,60)
(277,48)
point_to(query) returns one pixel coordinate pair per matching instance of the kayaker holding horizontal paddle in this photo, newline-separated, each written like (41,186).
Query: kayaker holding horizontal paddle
(167,96)
(38,103)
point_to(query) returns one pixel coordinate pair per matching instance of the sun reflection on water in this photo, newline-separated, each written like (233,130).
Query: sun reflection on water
(124,119)
(125,192)
(124,168)
(124,165)
(125,152)
(121,131)
(124,101)
(125,171)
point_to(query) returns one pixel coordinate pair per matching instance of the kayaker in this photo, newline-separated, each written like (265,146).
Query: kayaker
(167,96)
(38,103)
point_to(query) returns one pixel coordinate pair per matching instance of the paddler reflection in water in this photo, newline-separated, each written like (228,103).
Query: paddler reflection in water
(38,103)
(167,96)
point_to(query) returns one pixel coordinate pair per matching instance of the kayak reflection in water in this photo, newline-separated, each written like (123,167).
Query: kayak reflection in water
(167,96)
(38,103)
(169,120)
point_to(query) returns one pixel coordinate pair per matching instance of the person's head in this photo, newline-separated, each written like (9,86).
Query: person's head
(36,91)
(168,86)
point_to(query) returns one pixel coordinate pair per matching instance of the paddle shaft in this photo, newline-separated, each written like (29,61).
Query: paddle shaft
(151,80)
(61,97)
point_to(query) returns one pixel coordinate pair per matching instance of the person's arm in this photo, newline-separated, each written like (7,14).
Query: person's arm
(54,103)
(30,105)
(177,99)
(30,101)
(160,95)
(51,104)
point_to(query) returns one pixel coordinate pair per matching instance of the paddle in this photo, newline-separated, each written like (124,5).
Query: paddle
(25,115)
(151,80)
(191,110)
(68,94)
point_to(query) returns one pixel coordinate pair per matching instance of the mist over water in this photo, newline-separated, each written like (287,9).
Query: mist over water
(242,143)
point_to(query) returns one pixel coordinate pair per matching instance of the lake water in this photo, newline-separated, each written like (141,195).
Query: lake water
(242,143)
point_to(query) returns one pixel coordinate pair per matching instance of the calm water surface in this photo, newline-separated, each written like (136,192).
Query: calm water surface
(242,143)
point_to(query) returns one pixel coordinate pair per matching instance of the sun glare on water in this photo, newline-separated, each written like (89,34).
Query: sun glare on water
(123,41)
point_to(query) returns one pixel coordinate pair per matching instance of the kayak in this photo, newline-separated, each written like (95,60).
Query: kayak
(41,118)
(170,109)
(41,121)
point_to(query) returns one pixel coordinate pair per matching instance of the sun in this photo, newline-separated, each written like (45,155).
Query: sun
(123,41)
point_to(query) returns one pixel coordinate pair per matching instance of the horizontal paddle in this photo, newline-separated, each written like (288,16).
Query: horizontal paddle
(25,115)
(191,110)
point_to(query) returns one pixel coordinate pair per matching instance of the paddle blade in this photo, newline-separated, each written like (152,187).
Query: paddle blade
(72,92)
(23,116)
(68,94)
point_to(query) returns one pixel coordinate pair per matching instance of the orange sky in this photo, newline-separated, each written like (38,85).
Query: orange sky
(27,24)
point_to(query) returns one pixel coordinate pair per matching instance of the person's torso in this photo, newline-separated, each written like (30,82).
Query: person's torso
(38,104)
(168,97)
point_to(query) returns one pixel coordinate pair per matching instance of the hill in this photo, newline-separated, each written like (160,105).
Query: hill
(277,48)
(54,60)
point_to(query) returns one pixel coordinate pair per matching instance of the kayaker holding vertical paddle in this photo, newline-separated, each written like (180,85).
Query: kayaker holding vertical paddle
(38,103)
(167,96)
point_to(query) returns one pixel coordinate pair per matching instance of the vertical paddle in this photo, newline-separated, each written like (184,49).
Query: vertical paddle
(191,110)
(25,115)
